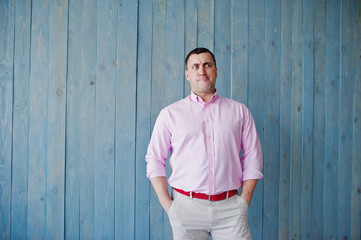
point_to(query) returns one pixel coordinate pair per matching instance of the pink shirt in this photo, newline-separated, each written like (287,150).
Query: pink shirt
(205,141)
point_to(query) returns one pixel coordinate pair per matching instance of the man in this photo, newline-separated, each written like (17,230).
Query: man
(205,134)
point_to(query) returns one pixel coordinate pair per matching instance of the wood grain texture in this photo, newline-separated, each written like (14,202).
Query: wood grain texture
(347,80)
(285,120)
(105,104)
(73,121)
(125,110)
(356,137)
(271,146)
(318,119)
(256,99)
(7,18)
(20,130)
(38,121)
(307,118)
(55,166)
(332,120)
(239,48)
(157,214)
(143,127)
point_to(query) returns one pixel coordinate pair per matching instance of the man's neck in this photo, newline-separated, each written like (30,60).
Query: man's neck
(206,96)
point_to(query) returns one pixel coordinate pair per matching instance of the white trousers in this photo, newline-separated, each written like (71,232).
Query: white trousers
(197,218)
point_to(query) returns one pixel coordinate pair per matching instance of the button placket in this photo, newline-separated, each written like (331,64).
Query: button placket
(209,147)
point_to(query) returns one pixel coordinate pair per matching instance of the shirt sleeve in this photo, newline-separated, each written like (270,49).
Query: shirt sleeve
(158,148)
(252,158)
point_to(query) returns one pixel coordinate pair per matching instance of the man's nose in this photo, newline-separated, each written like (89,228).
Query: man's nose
(201,70)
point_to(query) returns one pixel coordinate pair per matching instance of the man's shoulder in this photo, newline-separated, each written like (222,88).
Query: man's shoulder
(177,105)
(232,102)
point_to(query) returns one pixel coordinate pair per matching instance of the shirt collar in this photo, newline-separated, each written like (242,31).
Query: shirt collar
(199,100)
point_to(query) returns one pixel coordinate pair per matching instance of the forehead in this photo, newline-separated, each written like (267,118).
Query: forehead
(200,58)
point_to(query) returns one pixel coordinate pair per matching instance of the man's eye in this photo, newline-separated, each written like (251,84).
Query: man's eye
(195,67)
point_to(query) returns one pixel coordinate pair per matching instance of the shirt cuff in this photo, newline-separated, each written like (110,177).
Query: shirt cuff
(157,173)
(253,175)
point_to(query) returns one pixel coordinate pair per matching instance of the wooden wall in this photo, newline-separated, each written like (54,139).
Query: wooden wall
(82,82)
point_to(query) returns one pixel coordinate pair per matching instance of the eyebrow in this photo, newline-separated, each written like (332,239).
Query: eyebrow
(195,64)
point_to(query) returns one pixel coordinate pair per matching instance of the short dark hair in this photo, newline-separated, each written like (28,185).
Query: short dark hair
(199,51)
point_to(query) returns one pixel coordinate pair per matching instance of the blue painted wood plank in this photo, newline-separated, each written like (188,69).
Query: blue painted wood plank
(174,68)
(142,205)
(7,18)
(157,101)
(38,122)
(272,118)
(205,24)
(126,83)
(20,143)
(88,120)
(222,45)
(73,122)
(190,31)
(55,166)
(285,119)
(346,119)
(356,150)
(319,119)
(239,55)
(174,51)
(331,120)
(105,120)
(307,119)
(256,100)
(296,121)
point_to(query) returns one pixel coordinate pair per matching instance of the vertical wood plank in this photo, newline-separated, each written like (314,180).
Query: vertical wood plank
(296,121)
(157,100)
(285,119)
(7,24)
(307,119)
(38,144)
(125,109)
(319,119)
(20,143)
(73,121)
(346,119)
(174,68)
(190,29)
(239,55)
(55,167)
(272,118)
(222,45)
(356,151)
(256,100)
(332,119)
(105,120)
(143,128)
(88,119)
(174,51)
(205,24)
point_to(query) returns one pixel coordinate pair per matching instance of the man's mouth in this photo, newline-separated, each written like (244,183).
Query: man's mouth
(203,79)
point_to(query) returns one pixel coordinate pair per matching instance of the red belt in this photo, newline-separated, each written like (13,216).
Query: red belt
(217,197)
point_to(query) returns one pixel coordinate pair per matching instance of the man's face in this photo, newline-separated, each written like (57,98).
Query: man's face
(201,73)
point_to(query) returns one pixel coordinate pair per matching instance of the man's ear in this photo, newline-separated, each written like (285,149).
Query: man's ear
(186,73)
